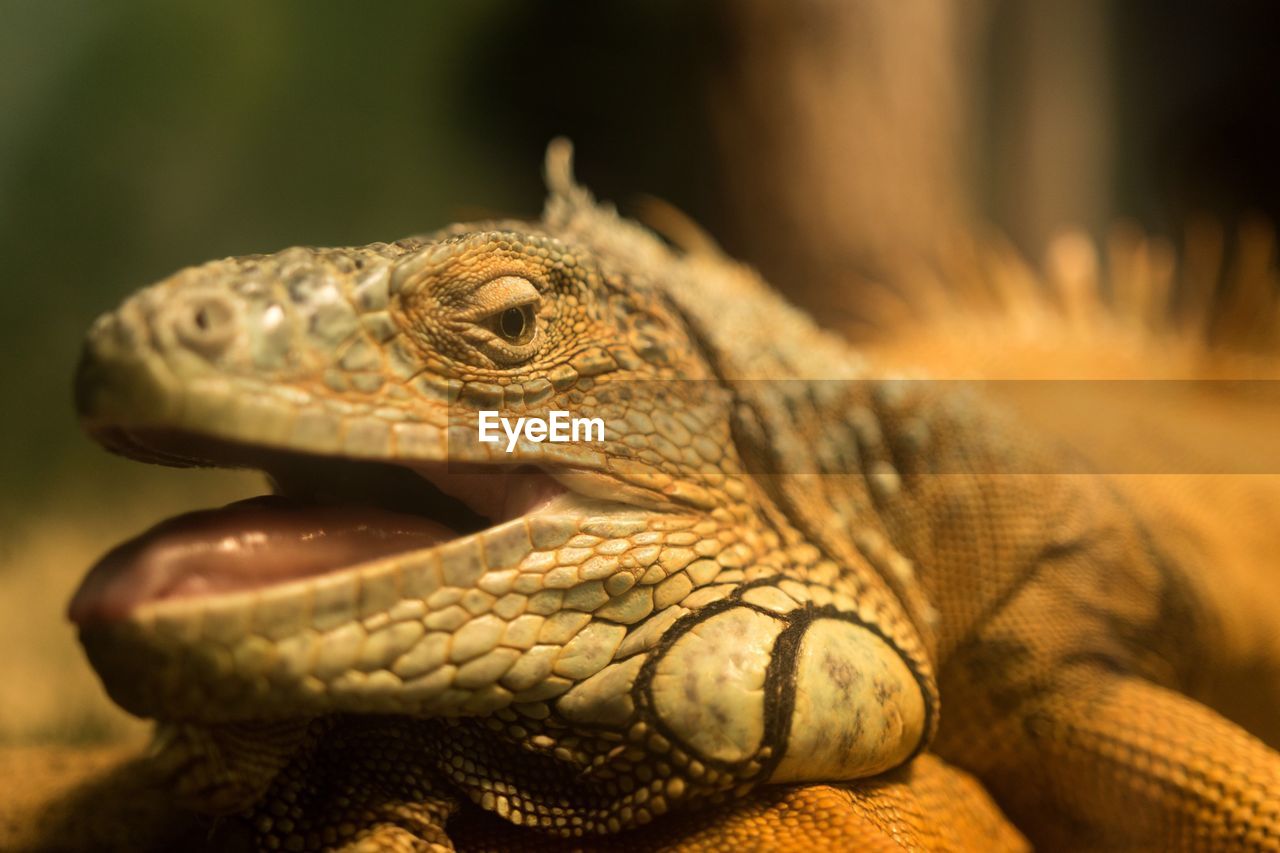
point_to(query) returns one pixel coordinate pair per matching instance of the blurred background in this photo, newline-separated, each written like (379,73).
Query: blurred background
(822,141)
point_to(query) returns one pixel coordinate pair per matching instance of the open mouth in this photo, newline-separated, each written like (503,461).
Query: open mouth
(325,515)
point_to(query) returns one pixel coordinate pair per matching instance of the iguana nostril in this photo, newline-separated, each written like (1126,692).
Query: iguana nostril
(206,323)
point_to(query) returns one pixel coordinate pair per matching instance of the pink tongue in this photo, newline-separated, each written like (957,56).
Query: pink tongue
(245,545)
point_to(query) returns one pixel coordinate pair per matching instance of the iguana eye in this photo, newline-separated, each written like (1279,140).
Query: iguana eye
(515,324)
(502,319)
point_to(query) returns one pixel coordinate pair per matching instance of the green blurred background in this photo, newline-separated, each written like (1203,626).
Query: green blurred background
(140,136)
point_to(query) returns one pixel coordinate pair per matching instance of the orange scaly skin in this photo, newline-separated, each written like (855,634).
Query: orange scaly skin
(789,603)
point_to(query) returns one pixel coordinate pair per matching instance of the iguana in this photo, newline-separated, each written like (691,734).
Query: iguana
(790,601)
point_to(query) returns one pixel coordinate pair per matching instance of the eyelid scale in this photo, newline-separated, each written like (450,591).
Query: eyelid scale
(498,295)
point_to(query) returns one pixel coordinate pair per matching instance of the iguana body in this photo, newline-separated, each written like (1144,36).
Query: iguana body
(778,569)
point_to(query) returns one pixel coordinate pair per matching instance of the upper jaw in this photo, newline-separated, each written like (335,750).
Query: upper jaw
(141,402)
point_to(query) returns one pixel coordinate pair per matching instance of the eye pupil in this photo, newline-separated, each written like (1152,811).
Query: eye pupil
(512,323)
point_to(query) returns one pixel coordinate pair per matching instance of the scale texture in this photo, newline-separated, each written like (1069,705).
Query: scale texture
(790,602)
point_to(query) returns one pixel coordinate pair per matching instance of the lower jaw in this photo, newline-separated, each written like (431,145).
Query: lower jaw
(345,641)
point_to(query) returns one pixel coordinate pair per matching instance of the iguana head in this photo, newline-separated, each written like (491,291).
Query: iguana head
(631,620)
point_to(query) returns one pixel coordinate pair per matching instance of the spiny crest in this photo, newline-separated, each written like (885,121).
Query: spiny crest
(1137,306)
(750,330)
(571,210)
